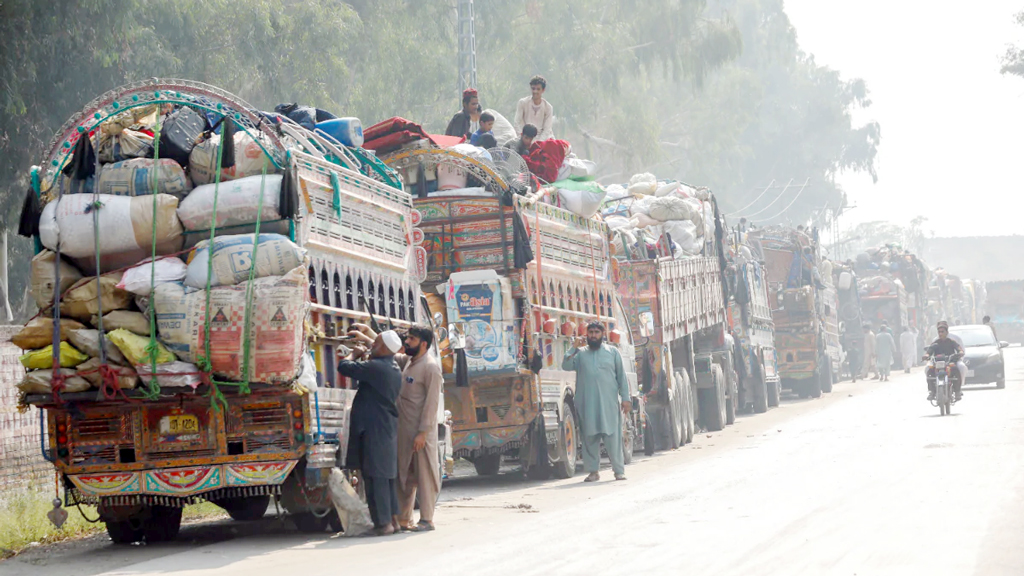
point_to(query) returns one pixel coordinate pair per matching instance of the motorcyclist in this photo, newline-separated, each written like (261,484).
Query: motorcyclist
(948,347)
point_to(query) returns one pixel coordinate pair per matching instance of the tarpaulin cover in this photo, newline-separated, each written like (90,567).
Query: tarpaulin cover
(393,133)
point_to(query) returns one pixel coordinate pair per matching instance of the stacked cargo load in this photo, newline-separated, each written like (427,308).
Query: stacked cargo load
(192,256)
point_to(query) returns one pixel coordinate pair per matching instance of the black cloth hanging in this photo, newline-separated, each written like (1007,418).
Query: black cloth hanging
(227,136)
(83,160)
(522,252)
(288,204)
(31,211)
(461,369)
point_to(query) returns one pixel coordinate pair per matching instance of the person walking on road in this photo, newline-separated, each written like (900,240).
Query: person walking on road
(908,348)
(373,428)
(869,353)
(987,321)
(602,395)
(884,348)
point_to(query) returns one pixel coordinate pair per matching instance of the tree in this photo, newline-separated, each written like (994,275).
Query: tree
(1013,59)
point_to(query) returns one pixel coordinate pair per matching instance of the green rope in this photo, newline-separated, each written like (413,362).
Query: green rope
(217,400)
(152,391)
(336,185)
(243,386)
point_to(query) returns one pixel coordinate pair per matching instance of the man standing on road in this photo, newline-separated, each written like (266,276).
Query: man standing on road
(869,353)
(601,392)
(987,321)
(908,348)
(373,428)
(884,348)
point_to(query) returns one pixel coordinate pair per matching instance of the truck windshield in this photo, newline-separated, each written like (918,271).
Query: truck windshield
(972,337)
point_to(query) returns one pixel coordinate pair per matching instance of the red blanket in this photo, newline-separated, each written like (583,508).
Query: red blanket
(546,158)
(393,133)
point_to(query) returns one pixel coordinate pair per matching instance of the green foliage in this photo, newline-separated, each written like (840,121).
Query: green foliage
(1013,59)
(713,92)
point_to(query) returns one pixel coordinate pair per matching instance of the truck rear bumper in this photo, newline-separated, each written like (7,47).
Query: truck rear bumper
(183,483)
(465,442)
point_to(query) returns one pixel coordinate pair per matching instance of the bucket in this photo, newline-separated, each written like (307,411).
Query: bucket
(450,177)
(348,131)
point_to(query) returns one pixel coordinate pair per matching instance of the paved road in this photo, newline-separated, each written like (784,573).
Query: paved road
(868,480)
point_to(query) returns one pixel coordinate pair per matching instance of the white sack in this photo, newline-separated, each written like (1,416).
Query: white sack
(582,202)
(141,279)
(249,159)
(232,259)
(135,178)
(237,202)
(125,224)
(175,374)
(352,511)
(669,208)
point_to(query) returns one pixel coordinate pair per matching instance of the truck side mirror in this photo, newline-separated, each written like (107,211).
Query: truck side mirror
(1003,344)
(456,339)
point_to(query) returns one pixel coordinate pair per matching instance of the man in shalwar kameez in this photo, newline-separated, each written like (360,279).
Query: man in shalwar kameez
(601,392)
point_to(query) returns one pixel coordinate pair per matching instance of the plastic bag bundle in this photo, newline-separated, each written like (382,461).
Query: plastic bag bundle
(43,358)
(40,382)
(275,326)
(684,233)
(39,332)
(43,279)
(135,178)
(232,259)
(116,142)
(88,341)
(141,279)
(135,322)
(669,208)
(126,378)
(249,159)
(644,184)
(134,347)
(175,374)
(125,224)
(352,511)
(81,301)
(237,202)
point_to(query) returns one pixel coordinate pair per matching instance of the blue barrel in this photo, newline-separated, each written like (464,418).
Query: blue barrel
(348,131)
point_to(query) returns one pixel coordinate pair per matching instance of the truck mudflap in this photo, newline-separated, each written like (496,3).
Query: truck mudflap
(182,485)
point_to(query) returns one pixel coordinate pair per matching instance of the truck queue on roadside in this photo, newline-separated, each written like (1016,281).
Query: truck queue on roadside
(195,354)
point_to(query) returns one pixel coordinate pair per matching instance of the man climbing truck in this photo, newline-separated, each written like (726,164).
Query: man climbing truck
(804,311)
(518,279)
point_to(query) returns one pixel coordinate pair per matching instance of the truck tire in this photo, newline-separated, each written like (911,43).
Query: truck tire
(566,449)
(310,523)
(760,389)
(246,509)
(163,524)
(732,400)
(125,531)
(712,401)
(813,386)
(488,464)
(686,398)
(648,435)
(774,394)
(826,376)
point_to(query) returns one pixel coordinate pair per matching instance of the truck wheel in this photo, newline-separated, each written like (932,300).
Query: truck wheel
(760,388)
(674,419)
(774,394)
(163,524)
(826,376)
(813,386)
(125,531)
(712,401)
(686,399)
(245,509)
(648,435)
(488,464)
(566,449)
(311,523)
(732,401)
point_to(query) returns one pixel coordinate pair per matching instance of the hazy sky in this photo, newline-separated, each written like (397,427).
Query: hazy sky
(952,125)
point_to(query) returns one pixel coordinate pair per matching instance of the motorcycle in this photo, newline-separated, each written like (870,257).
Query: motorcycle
(944,371)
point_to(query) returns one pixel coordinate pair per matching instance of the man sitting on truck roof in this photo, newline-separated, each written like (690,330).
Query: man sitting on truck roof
(534,109)
(600,383)
(525,141)
(465,122)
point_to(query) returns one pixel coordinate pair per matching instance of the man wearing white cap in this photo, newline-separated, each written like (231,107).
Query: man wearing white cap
(373,429)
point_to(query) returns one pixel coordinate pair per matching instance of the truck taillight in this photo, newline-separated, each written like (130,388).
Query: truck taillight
(297,414)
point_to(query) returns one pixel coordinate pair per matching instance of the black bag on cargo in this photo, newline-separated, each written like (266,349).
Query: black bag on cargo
(179,133)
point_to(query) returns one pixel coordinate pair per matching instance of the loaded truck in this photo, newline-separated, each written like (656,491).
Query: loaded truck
(804,309)
(142,449)
(685,305)
(514,280)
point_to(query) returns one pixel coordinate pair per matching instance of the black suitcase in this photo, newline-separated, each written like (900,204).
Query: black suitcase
(179,133)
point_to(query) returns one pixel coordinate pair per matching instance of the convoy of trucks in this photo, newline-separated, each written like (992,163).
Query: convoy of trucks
(506,279)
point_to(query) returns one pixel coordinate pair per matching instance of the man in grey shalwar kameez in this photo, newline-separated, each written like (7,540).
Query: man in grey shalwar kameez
(602,394)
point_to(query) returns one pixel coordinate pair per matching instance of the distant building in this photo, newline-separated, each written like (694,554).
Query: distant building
(985,258)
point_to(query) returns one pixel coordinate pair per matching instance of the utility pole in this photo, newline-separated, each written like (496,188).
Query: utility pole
(466,30)
(8,315)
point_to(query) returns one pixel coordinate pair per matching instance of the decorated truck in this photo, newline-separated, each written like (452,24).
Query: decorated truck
(514,279)
(213,377)
(804,309)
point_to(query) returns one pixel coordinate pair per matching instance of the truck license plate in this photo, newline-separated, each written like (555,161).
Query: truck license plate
(176,424)
(552,437)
